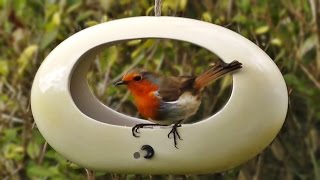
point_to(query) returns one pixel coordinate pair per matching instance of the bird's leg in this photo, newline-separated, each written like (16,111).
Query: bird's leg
(135,129)
(175,133)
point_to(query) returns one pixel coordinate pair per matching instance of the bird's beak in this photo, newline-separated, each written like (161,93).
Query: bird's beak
(119,83)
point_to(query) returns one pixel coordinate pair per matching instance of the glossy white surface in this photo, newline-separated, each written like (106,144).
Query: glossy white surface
(90,134)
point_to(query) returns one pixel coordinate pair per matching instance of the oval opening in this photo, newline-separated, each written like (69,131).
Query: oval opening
(91,84)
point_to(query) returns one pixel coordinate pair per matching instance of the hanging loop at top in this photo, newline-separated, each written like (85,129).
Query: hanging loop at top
(157,7)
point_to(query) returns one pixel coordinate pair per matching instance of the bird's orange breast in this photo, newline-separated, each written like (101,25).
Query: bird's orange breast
(145,100)
(147,106)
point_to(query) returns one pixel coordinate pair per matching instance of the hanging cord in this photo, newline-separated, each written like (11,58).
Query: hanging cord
(157,7)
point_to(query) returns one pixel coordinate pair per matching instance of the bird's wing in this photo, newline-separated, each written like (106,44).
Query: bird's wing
(171,88)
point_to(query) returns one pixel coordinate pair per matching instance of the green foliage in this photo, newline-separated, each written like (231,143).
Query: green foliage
(286,30)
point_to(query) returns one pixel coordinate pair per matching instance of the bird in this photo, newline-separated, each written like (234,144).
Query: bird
(170,100)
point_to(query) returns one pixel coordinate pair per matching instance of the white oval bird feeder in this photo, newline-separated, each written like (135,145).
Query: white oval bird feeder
(82,129)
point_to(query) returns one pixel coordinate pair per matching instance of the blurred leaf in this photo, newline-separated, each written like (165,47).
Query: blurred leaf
(99,174)
(3,98)
(10,135)
(169,4)
(124,2)
(35,170)
(262,29)
(48,38)
(4,67)
(56,19)
(291,79)
(85,16)
(314,139)
(131,177)
(206,17)
(37,137)
(104,19)
(298,84)
(25,58)
(52,155)
(134,42)
(276,42)
(244,5)
(91,23)
(110,55)
(18,36)
(240,18)
(33,150)
(280,55)
(307,45)
(105,4)
(179,69)
(183,4)
(278,150)
(19,6)
(219,20)
(74,7)
(226,82)
(149,10)
(13,151)
(136,52)
(74,166)
(2,3)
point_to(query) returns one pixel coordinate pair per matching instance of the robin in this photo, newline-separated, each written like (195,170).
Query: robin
(170,100)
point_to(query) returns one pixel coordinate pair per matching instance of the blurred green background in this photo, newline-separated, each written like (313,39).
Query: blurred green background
(287,30)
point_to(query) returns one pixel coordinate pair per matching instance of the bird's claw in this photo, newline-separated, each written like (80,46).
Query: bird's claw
(175,134)
(135,130)
(174,131)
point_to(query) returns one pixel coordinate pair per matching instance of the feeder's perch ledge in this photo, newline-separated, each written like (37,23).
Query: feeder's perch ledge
(82,129)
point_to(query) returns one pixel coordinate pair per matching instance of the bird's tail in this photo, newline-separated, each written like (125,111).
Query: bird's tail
(215,72)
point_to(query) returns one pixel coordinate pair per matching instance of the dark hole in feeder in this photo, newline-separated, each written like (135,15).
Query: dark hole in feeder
(103,65)
(136,155)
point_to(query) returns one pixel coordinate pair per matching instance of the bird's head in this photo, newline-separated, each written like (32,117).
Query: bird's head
(139,81)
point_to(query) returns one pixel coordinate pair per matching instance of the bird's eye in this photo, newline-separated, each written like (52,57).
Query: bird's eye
(137,78)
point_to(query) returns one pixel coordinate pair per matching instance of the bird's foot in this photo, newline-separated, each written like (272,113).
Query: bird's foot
(175,134)
(174,131)
(135,129)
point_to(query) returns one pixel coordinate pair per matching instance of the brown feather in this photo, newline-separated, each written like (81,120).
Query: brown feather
(171,88)
(215,72)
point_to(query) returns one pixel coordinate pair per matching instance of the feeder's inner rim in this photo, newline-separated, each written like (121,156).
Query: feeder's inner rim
(88,104)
